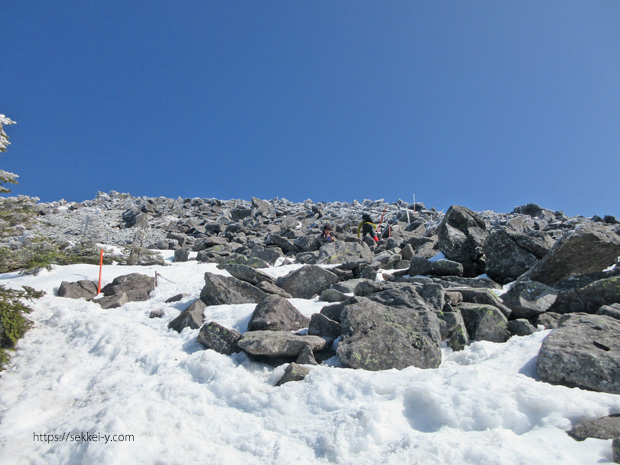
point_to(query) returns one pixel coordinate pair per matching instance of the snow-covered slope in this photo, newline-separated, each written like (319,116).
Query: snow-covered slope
(96,386)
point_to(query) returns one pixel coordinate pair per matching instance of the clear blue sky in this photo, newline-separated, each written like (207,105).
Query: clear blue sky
(487,104)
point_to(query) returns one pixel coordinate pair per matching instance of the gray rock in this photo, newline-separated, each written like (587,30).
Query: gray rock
(218,338)
(275,313)
(601,428)
(113,301)
(137,287)
(520,327)
(615,448)
(367,287)
(343,252)
(278,343)
(484,322)
(453,330)
(583,352)
(528,299)
(483,296)
(224,290)
(191,317)
(506,260)
(610,310)
(307,281)
(82,289)
(424,267)
(248,274)
(320,325)
(156,314)
(378,337)
(549,320)
(590,298)
(293,372)
(181,255)
(333,312)
(306,357)
(586,249)
(332,295)
(271,288)
(268,254)
(462,234)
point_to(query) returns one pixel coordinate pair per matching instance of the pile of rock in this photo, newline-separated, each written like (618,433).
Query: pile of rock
(561,272)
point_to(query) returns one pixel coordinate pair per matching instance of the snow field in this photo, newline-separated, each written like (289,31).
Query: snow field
(84,369)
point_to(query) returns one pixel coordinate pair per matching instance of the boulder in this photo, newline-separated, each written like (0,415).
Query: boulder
(424,267)
(181,255)
(224,290)
(462,234)
(279,343)
(583,352)
(113,301)
(306,357)
(483,296)
(506,260)
(586,249)
(484,322)
(82,289)
(377,337)
(520,327)
(590,298)
(320,325)
(248,274)
(332,295)
(218,338)
(136,286)
(307,281)
(293,372)
(453,330)
(344,252)
(275,313)
(267,254)
(610,310)
(191,317)
(270,288)
(601,428)
(528,299)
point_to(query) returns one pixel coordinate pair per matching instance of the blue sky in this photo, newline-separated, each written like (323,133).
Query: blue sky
(487,104)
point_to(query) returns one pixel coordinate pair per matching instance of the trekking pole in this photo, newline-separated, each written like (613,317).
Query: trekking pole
(380,222)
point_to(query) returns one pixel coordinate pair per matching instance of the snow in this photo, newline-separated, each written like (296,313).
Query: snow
(82,369)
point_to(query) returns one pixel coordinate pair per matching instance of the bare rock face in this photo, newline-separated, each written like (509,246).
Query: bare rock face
(583,352)
(377,337)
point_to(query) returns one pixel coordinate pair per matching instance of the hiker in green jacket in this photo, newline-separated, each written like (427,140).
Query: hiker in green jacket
(368,227)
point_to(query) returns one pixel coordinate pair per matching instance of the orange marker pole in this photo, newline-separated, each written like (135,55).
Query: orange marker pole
(100,269)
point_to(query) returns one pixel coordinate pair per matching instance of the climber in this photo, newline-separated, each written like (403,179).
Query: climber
(367,227)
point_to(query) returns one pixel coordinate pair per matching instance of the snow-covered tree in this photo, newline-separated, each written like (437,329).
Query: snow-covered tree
(5,176)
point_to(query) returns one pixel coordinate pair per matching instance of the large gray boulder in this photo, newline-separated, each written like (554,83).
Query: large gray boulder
(307,281)
(377,337)
(590,298)
(453,329)
(83,289)
(482,296)
(528,299)
(583,352)
(586,249)
(422,266)
(275,313)
(224,290)
(484,322)
(136,286)
(506,260)
(279,343)
(462,234)
(345,252)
